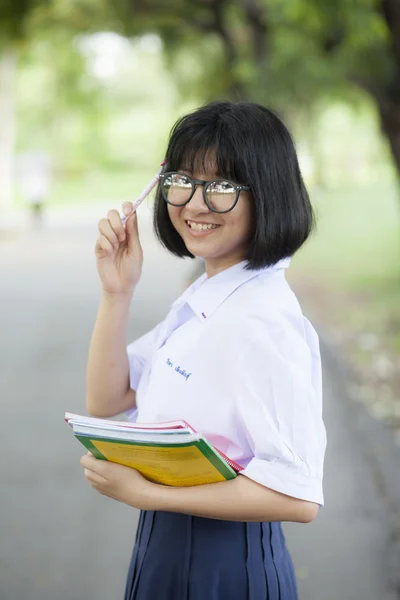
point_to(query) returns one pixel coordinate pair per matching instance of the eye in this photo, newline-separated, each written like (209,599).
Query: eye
(180,180)
(221,187)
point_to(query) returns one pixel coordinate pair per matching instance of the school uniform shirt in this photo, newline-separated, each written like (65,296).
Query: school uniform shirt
(236,358)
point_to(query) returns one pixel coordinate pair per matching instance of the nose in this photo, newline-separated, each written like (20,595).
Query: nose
(196,202)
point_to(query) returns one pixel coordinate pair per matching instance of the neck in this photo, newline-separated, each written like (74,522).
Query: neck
(213,267)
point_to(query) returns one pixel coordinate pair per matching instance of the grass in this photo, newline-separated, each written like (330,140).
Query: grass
(354,257)
(348,277)
(357,243)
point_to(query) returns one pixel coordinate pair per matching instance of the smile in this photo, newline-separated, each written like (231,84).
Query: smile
(201,226)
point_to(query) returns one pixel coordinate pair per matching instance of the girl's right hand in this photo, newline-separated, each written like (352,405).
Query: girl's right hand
(119,255)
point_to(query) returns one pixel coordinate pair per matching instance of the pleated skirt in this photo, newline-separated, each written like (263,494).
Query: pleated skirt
(179,557)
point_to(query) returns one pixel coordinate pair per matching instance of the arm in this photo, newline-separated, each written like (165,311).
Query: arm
(119,260)
(108,389)
(240,499)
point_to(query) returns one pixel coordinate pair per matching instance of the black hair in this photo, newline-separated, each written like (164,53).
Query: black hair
(252,147)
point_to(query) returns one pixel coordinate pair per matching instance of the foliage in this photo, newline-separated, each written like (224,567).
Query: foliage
(283,51)
(294,56)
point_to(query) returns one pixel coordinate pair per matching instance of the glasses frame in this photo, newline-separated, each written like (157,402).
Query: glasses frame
(205,184)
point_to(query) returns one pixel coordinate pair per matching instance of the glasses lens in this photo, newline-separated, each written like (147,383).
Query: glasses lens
(221,195)
(176,188)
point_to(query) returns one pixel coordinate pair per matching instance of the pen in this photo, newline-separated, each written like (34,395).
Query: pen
(145,193)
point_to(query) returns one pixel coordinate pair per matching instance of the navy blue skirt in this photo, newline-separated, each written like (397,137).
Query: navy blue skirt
(179,557)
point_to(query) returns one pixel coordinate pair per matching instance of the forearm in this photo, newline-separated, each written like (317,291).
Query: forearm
(108,366)
(240,499)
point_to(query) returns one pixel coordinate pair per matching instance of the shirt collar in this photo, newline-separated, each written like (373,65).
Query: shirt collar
(205,295)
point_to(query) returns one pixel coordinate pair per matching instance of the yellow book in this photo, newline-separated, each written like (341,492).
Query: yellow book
(172,453)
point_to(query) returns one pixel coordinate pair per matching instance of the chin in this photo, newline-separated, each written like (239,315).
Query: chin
(201,251)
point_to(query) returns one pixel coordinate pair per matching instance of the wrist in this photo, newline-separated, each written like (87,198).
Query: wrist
(162,497)
(147,495)
(117,298)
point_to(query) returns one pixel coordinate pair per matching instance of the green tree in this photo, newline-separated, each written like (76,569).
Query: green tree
(287,54)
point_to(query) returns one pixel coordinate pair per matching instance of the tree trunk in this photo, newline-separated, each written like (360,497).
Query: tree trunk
(389,113)
(7,125)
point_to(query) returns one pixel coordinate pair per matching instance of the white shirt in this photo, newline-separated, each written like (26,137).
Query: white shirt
(236,358)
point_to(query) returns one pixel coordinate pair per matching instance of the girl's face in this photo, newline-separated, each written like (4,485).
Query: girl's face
(223,246)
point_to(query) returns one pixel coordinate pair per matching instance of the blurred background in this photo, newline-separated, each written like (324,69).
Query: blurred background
(89,90)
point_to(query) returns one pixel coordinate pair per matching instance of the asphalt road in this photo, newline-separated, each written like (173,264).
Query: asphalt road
(60,540)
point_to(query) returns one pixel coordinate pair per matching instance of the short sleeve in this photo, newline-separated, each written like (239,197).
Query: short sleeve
(279,406)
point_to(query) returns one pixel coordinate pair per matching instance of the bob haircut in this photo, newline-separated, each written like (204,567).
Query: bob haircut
(252,147)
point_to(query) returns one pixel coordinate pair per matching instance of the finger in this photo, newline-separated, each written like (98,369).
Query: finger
(94,478)
(127,208)
(103,244)
(90,462)
(99,467)
(116,223)
(106,229)
(132,231)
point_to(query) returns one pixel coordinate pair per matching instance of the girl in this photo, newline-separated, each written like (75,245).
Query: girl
(231,192)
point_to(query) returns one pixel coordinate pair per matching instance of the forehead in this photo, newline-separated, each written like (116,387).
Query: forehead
(200,164)
(206,154)
(198,156)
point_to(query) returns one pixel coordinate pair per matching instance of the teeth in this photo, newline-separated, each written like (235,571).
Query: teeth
(201,227)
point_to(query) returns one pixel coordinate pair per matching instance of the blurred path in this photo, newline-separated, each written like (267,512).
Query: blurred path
(59,540)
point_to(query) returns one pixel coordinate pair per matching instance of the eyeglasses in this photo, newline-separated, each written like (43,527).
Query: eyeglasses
(220,195)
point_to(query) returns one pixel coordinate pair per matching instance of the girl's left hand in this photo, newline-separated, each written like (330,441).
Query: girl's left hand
(119,482)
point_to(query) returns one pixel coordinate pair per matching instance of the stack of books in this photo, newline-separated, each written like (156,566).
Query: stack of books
(170,453)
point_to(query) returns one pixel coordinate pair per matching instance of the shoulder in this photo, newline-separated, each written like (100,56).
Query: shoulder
(265,312)
(266,336)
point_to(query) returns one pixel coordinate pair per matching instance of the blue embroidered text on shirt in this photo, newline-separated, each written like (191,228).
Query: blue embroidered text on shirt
(178,369)
(183,372)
